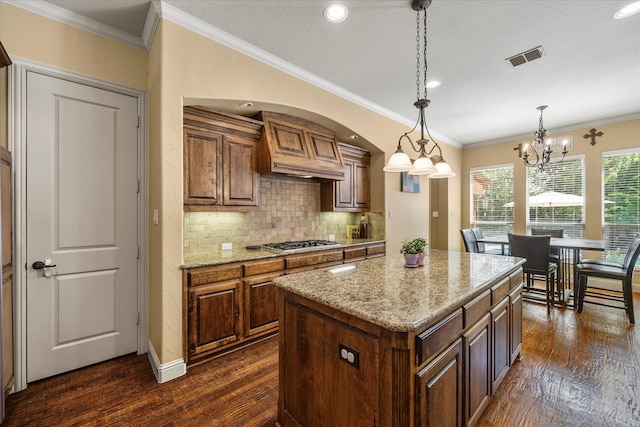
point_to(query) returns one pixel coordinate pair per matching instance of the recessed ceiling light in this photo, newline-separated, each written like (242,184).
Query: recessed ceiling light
(354,137)
(628,10)
(433,83)
(245,104)
(336,13)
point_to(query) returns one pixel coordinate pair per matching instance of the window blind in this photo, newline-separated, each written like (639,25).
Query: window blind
(556,196)
(621,201)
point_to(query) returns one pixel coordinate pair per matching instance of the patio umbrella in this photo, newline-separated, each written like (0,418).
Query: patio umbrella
(553,199)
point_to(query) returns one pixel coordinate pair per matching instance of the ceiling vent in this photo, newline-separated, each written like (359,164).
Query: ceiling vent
(524,57)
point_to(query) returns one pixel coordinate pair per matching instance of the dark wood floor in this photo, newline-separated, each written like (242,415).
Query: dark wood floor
(576,370)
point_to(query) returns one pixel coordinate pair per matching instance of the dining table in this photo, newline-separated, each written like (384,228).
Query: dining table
(569,248)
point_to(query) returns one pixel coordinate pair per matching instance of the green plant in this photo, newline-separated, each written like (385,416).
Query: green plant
(415,246)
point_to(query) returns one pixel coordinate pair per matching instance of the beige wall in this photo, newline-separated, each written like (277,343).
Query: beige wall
(617,136)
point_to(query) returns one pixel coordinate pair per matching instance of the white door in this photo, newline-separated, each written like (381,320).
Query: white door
(82,185)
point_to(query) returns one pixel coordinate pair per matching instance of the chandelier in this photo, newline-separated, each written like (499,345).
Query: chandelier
(434,166)
(542,147)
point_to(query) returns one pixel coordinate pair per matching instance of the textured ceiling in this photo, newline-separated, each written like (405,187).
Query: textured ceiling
(590,71)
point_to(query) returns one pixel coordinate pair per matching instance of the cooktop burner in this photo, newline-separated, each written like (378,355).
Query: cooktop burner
(300,245)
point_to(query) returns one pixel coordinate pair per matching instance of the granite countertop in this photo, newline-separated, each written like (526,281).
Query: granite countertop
(239,254)
(384,292)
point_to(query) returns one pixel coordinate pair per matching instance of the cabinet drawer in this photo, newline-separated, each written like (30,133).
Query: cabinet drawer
(214,274)
(312,259)
(499,291)
(436,337)
(376,250)
(355,254)
(477,308)
(262,267)
(516,278)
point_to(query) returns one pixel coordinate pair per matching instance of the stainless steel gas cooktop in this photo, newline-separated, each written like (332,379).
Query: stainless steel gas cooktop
(300,245)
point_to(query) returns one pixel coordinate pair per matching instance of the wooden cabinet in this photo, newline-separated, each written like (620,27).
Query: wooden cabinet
(260,310)
(231,305)
(299,147)
(439,389)
(313,260)
(352,194)
(220,161)
(477,362)
(500,349)
(214,296)
(515,323)
(336,379)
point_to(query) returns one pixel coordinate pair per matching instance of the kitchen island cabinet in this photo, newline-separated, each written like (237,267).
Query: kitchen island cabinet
(405,346)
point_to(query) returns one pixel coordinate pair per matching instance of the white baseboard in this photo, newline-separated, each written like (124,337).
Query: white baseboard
(168,371)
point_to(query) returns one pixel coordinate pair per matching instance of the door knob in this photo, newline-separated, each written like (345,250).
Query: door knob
(46,265)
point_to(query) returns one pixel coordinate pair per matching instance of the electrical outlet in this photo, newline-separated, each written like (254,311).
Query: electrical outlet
(332,237)
(349,355)
(227,246)
(392,214)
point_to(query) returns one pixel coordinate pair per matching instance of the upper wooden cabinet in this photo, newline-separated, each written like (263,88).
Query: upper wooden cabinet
(299,147)
(352,194)
(220,161)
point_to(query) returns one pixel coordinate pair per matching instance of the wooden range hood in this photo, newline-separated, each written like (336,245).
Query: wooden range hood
(298,147)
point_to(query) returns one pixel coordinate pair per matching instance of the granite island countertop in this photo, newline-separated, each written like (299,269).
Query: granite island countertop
(384,292)
(240,254)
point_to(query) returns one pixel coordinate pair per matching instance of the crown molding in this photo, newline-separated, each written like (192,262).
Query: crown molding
(204,29)
(51,11)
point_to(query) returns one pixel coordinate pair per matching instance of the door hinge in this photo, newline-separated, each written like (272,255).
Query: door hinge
(138,321)
(138,256)
(138,121)
(138,190)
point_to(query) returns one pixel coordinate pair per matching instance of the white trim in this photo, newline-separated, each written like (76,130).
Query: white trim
(17,144)
(168,371)
(51,11)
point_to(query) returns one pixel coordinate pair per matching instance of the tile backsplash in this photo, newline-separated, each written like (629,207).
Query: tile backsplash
(289,210)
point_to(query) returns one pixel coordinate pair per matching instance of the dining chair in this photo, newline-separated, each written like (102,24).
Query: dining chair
(554,253)
(481,246)
(610,270)
(469,239)
(536,250)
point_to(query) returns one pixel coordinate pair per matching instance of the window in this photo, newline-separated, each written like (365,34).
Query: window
(621,201)
(556,196)
(492,191)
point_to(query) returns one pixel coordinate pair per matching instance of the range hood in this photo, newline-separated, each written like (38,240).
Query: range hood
(298,147)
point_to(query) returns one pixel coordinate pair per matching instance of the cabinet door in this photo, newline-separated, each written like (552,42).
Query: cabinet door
(241,179)
(202,167)
(361,185)
(515,320)
(344,196)
(439,389)
(214,316)
(336,381)
(500,337)
(260,304)
(477,361)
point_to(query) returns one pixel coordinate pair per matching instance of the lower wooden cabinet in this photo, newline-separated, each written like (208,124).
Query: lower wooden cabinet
(231,305)
(515,323)
(439,389)
(214,316)
(260,304)
(477,359)
(501,355)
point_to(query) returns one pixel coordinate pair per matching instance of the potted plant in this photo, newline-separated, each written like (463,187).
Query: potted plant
(420,243)
(411,252)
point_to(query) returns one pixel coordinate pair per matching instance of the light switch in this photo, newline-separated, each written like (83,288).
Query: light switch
(155,217)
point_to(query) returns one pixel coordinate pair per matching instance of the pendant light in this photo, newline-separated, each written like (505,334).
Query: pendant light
(433,166)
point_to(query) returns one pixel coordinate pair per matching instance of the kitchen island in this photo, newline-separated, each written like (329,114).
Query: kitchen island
(378,344)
